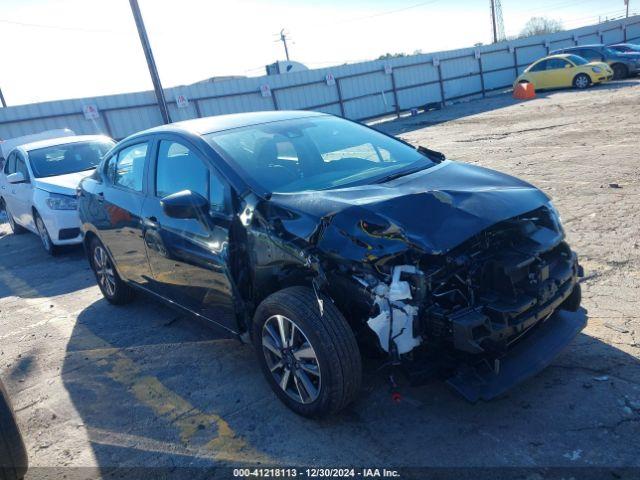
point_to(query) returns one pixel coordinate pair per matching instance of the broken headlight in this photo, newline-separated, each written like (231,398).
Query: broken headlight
(554,216)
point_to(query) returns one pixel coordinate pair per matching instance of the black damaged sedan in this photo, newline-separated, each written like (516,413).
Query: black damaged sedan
(316,238)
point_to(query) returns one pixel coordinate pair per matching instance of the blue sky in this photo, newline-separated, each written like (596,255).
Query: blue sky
(75,48)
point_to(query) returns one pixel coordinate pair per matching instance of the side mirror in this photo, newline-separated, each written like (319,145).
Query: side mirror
(568,66)
(185,204)
(17,177)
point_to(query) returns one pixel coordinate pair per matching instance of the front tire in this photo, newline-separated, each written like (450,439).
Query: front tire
(311,361)
(620,71)
(113,288)
(581,81)
(45,238)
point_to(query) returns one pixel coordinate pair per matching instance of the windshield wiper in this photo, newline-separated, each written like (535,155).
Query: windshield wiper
(402,173)
(434,155)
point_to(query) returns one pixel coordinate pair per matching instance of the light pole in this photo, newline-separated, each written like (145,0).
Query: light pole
(283,37)
(151,63)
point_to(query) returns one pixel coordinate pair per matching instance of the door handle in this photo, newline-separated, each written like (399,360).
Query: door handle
(151,222)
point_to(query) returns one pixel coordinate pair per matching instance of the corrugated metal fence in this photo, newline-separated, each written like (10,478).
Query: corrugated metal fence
(359,91)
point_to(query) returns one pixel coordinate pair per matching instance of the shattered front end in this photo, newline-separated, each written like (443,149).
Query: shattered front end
(495,307)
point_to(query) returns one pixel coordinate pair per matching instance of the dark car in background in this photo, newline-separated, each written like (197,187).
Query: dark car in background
(625,48)
(13,455)
(622,64)
(314,237)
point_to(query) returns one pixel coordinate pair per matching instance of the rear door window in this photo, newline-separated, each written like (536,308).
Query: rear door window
(126,169)
(556,64)
(591,55)
(540,66)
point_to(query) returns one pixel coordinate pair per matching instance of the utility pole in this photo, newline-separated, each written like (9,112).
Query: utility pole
(626,2)
(4,104)
(283,38)
(493,21)
(151,63)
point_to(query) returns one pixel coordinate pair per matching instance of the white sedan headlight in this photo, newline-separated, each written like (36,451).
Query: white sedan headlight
(55,201)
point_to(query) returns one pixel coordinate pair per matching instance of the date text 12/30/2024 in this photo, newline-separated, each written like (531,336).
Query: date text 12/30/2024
(316,472)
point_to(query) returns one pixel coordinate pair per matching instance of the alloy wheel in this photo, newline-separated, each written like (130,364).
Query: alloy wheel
(44,236)
(291,359)
(582,82)
(104,271)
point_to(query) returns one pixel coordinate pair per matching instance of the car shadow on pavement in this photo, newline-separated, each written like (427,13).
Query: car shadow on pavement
(23,261)
(156,389)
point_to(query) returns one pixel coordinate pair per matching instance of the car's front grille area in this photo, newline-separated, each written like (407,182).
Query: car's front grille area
(68,233)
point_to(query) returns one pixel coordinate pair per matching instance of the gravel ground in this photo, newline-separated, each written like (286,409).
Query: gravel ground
(101,386)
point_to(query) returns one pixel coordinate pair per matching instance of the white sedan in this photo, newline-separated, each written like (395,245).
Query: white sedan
(38,186)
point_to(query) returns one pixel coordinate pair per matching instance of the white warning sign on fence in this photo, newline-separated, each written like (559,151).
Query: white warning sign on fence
(265,90)
(330,79)
(90,112)
(182,101)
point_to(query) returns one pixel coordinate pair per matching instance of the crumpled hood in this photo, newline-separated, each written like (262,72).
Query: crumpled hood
(63,184)
(433,210)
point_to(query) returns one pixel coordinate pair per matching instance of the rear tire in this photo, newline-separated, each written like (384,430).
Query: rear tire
(332,360)
(45,238)
(15,228)
(581,81)
(620,71)
(113,288)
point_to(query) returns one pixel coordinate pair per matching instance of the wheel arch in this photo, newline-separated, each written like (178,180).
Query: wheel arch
(620,65)
(86,242)
(581,74)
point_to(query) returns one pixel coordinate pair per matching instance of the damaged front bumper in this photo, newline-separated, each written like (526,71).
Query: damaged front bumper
(493,311)
(486,380)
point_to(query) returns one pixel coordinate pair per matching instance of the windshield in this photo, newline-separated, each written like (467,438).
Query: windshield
(577,60)
(610,51)
(67,158)
(316,153)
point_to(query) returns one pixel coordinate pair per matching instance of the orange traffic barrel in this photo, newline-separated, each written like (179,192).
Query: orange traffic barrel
(524,91)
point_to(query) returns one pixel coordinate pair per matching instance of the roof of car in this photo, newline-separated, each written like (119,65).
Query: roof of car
(233,120)
(52,142)
(592,45)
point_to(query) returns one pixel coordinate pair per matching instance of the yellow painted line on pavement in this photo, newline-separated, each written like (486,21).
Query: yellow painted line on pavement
(225,444)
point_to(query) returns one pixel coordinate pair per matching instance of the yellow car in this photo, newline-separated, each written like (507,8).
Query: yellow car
(564,70)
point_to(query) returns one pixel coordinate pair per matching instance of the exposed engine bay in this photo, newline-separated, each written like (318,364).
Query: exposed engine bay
(481,297)
(462,271)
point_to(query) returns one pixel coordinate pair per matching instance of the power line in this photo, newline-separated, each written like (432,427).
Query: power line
(56,27)
(388,12)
